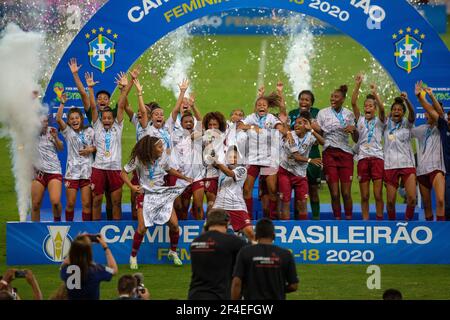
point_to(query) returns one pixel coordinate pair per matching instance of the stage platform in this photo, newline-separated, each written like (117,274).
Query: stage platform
(326,213)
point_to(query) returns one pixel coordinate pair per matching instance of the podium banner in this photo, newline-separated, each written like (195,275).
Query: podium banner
(311,242)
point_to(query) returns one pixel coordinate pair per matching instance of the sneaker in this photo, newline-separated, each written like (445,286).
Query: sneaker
(133,263)
(172,255)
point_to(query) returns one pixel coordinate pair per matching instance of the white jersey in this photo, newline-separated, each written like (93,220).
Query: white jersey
(261,148)
(140,131)
(109,146)
(78,166)
(47,158)
(162,133)
(269,121)
(370,136)
(187,156)
(333,124)
(151,175)
(229,195)
(430,156)
(303,147)
(398,153)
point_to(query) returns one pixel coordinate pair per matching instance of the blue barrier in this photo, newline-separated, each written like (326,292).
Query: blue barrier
(324,242)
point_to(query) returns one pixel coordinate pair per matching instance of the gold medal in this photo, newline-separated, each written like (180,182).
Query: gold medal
(391,137)
(367,145)
(151,184)
(107,154)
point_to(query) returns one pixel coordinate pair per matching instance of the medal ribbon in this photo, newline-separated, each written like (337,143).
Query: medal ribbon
(340,117)
(427,136)
(397,126)
(151,170)
(261,121)
(82,138)
(107,141)
(300,144)
(165,136)
(222,179)
(370,125)
(138,131)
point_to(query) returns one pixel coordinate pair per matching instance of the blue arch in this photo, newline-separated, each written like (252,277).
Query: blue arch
(400,24)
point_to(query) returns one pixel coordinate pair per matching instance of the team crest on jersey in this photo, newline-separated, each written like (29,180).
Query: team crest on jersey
(408,49)
(101,48)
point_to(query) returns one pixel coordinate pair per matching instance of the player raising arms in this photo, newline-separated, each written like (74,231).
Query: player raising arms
(263,130)
(79,159)
(229,198)
(336,123)
(47,170)
(101,100)
(314,173)
(140,125)
(107,165)
(431,165)
(152,164)
(294,163)
(187,152)
(187,155)
(398,156)
(236,116)
(215,126)
(370,150)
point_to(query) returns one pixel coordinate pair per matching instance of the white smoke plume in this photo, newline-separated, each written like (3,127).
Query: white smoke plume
(179,50)
(19,112)
(297,65)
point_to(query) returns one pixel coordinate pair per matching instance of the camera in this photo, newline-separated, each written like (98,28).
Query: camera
(140,287)
(20,274)
(93,237)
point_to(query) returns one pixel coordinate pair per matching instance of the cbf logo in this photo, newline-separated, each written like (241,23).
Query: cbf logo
(408,50)
(57,243)
(101,48)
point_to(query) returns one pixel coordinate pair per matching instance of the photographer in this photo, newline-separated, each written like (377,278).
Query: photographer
(81,274)
(7,292)
(131,287)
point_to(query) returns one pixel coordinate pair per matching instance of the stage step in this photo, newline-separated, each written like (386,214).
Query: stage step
(326,212)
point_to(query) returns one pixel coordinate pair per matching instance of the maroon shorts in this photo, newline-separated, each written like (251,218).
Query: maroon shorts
(135,179)
(211,185)
(288,181)
(44,178)
(239,219)
(139,201)
(197,185)
(337,165)
(254,170)
(392,176)
(170,180)
(427,179)
(370,169)
(76,184)
(105,180)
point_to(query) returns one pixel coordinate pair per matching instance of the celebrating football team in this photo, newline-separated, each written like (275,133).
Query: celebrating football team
(181,160)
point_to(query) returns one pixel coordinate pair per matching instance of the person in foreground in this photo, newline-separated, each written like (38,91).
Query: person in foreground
(264,271)
(214,250)
(90,274)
